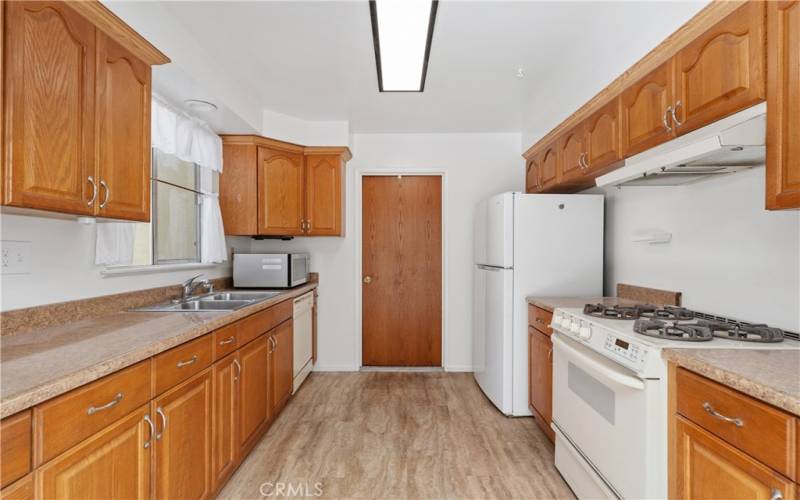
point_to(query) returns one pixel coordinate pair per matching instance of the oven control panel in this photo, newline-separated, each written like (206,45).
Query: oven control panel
(623,348)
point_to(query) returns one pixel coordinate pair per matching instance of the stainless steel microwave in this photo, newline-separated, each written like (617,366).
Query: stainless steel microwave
(270,270)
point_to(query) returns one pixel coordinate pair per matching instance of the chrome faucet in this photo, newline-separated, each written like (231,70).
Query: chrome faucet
(189,286)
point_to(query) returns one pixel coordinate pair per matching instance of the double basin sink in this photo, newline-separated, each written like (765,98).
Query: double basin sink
(220,301)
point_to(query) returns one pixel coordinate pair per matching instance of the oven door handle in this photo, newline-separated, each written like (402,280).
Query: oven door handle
(598,368)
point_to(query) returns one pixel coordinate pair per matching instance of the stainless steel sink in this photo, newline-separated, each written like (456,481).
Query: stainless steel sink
(215,305)
(222,301)
(249,296)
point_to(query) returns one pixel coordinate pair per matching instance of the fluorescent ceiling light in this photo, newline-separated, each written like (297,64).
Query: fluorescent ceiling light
(402,32)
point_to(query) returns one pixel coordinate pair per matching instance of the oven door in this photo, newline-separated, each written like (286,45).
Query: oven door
(602,411)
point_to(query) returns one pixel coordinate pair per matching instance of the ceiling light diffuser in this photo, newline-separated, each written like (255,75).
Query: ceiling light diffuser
(402,32)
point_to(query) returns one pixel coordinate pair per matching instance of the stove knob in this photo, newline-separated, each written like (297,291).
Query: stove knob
(585,332)
(575,327)
(565,322)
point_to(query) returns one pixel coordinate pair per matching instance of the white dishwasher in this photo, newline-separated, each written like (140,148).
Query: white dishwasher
(303,311)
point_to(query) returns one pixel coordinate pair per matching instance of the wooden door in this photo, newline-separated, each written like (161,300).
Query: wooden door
(402,271)
(783,102)
(123,132)
(721,71)
(603,148)
(571,152)
(709,468)
(324,195)
(225,420)
(548,165)
(49,108)
(280,192)
(253,392)
(645,118)
(282,366)
(238,189)
(183,418)
(542,374)
(112,464)
(532,175)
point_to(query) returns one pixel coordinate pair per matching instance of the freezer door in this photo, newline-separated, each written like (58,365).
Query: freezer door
(492,334)
(494,231)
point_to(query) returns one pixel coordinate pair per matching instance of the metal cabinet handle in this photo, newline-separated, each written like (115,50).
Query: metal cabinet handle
(238,370)
(227,341)
(152,431)
(163,416)
(550,353)
(108,193)
(188,362)
(94,409)
(711,411)
(367,279)
(585,161)
(273,343)
(664,118)
(94,190)
(673,110)
(776,494)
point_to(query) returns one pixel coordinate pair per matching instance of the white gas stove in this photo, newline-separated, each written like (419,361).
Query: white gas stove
(610,394)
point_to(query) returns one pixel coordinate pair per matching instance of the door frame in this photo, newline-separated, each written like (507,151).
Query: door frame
(358,223)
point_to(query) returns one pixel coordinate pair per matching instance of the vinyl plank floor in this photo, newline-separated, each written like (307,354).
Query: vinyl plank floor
(397,435)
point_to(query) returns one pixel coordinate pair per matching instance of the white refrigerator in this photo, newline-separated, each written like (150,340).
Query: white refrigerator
(546,245)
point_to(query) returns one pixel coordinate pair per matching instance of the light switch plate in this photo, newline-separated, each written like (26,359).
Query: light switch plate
(16,257)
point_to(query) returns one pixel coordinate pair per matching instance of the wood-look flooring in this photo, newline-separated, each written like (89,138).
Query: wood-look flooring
(398,435)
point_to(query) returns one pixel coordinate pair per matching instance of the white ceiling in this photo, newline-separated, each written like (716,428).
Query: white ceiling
(315,60)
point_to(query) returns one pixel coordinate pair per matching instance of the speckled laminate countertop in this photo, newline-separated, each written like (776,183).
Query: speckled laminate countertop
(550,303)
(772,376)
(41,364)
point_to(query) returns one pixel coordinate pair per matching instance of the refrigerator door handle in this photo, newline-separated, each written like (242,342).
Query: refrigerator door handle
(490,268)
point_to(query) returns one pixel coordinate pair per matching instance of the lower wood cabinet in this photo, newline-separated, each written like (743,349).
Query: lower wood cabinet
(114,463)
(15,447)
(21,490)
(226,374)
(540,368)
(282,372)
(253,393)
(183,440)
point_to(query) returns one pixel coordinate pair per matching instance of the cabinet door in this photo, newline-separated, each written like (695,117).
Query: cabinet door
(532,175)
(112,464)
(20,490)
(542,367)
(707,467)
(49,107)
(722,70)
(324,195)
(783,102)
(225,422)
(603,148)
(238,189)
(280,192)
(253,392)
(123,132)
(549,167)
(183,440)
(571,151)
(645,121)
(282,365)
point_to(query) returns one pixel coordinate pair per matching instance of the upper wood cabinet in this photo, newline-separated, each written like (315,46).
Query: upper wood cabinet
(722,71)
(603,147)
(548,166)
(532,175)
(783,105)
(273,188)
(646,110)
(571,153)
(76,111)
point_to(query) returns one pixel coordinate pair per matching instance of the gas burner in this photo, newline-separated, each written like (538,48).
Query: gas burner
(672,330)
(743,331)
(670,313)
(618,312)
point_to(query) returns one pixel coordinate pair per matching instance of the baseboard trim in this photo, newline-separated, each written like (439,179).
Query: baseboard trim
(458,368)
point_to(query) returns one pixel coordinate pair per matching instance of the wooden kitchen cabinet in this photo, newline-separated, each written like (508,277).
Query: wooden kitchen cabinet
(254,387)
(548,166)
(77,107)
(645,105)
(280,192)
(282,372)
(114,463)
(182,443)
(225,421)
(603,139)
(721,71)
(324,213)
(571,154)
(15,447)
(783,103)
(540,361)
(532,175)
(21,490)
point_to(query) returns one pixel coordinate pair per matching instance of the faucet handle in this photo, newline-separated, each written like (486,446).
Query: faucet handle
(191,280)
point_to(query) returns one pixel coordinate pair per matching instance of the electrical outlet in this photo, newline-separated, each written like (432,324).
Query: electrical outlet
(15,257)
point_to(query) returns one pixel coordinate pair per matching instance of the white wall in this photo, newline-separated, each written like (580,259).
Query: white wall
(306,132)
(728,255)
(475,166)
(62,264)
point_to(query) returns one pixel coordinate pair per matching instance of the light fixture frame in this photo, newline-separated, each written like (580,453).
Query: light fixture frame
(373,11)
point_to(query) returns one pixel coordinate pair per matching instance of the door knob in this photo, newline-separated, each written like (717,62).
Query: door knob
(368,279)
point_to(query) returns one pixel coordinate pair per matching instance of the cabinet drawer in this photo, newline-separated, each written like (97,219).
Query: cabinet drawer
(15,447)
(178,364)
(69,419)
(540,319)
(226,340)
(264,321)
(759,430)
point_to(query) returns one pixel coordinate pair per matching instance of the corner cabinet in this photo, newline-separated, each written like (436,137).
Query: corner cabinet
(76,111)
(278,189)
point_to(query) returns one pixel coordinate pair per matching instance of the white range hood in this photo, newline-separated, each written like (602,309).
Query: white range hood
(730,145)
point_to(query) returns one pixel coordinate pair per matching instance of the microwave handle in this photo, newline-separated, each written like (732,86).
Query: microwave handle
(602,371)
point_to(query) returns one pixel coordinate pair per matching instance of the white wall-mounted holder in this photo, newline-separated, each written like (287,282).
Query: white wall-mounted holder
(653,238)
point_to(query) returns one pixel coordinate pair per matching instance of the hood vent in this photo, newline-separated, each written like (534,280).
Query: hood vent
(727,146)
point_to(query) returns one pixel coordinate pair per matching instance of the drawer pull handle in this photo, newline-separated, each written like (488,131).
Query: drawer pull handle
(776,494)
(227,341)
(193,360)
(711,411)
(152,431)
(161,414)
(94,409)
(539,320)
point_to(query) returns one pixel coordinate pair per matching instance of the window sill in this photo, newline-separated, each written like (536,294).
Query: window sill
(158,268)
